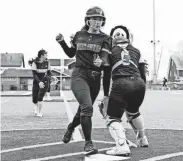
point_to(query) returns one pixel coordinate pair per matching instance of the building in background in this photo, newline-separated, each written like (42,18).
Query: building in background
(15,77)
(175,68)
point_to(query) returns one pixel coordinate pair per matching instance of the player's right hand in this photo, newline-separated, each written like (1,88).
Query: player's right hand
(41,85)
(59,38)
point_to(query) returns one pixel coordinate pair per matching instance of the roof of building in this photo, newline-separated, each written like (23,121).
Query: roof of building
(10,72)
(12,60)
(178,60)
(17,73)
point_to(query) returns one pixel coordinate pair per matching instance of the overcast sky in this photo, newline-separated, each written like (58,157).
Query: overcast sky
(26,26)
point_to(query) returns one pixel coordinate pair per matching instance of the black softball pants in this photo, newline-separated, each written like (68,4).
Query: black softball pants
(127,93)
(38,93)
(85,85)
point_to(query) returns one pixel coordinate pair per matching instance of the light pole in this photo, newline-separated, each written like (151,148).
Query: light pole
(154,44)
(61,71)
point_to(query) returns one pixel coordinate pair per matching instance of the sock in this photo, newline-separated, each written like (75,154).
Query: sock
(75,122)
(86,124)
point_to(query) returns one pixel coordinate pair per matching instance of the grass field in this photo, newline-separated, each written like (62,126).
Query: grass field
(26,137)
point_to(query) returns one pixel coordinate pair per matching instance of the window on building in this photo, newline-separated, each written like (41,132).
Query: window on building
(181,73)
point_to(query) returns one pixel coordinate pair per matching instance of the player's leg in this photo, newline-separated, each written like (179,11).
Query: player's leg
(48,92)
(134,117)
(81,91)
(70,128)
(116,107)
(76,120)
(41,94)
(35,91)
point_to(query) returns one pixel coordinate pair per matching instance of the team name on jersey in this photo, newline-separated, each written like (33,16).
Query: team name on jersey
(42,70)
(90,47)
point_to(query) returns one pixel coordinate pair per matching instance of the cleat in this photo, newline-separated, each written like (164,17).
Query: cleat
(131,144)
(35,110)
(35,113)
(39,115)
(142,142)
(68,134)
(89,148)
(121,150)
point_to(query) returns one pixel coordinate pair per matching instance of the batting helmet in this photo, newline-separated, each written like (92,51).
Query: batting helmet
(95,12)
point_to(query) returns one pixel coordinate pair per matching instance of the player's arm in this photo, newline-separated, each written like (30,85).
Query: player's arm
(106,80)
(70,51)
(106,57)
(49,71)
(142,68)
(106,51)
(34,68)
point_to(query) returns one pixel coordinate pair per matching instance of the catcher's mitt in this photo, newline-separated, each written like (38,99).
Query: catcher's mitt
(103,107)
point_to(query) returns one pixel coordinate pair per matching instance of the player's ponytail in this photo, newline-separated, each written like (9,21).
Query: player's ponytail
(30,61)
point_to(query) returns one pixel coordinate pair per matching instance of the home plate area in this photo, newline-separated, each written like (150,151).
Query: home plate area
(45,144)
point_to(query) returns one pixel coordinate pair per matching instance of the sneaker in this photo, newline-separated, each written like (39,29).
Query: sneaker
(122,150)
(142,142)
(68,134)
(89,148)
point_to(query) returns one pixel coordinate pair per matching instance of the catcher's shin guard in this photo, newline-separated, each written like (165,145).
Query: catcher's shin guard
(117,131)
(118,134)
(137,123)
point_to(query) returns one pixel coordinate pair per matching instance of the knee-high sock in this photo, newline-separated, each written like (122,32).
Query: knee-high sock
(86,124)
(75,122)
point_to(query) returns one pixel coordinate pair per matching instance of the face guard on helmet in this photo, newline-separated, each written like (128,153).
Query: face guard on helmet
(120,35)
(95,18)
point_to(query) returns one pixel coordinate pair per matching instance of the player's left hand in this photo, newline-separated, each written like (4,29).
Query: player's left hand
(97,62)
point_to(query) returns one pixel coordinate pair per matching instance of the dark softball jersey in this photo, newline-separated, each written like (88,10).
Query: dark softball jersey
(41,71)
(133,63)
(86,46)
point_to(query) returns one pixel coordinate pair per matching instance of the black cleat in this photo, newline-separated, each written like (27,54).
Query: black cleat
(89,148)
(68,134)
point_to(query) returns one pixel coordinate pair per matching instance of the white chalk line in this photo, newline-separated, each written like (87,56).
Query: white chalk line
(62,156)
(76,135)
(33,146)
(164,156)
(48,144)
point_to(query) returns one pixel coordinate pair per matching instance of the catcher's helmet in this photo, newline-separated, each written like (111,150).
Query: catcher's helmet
(95,12)
(120,34)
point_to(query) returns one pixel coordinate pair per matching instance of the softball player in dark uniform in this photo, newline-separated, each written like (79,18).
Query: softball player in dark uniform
(127,93)
(91,48)
(41,75)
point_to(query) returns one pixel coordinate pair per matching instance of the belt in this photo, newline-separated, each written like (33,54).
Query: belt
(89,71)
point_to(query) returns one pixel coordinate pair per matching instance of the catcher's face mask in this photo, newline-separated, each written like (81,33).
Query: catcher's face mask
(119,36)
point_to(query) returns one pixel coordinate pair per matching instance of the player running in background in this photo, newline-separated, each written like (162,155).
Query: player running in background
(127,93)
(91,48)
(41,76)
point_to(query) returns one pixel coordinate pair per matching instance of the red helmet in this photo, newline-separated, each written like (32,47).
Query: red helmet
(95,12)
